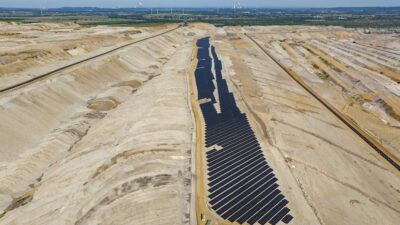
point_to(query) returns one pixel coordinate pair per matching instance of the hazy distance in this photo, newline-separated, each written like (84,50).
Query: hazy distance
(195,3)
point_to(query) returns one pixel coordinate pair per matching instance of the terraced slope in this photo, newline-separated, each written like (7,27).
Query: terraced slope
(32,49)
(107,142)
(115,140)
(343,180)
(360,81)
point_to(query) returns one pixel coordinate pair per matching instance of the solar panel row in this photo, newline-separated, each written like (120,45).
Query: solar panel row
(242,187)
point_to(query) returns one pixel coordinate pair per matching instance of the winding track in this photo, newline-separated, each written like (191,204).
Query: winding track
(372,142)
(46,75)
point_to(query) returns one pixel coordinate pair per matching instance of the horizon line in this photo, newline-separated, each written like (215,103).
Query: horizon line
(194,7)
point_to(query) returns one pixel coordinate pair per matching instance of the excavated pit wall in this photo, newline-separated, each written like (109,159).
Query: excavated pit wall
(45,120)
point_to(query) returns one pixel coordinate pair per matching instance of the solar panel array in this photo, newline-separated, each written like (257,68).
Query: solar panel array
(241,185)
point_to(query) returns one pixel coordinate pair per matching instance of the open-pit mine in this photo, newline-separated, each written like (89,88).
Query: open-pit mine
(196,124)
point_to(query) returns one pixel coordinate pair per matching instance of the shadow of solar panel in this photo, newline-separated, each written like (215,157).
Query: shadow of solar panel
(241,185)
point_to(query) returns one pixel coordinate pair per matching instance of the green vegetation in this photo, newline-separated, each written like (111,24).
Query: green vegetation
(358,23)
(322,75)
(90,21)
(347,17)
(330,65)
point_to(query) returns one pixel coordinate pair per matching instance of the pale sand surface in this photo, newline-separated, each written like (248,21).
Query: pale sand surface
(110,141)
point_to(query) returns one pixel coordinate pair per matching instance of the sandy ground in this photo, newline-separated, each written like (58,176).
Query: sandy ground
(112,140)
(32,49)
(105,142)
(322,162)
(359,80)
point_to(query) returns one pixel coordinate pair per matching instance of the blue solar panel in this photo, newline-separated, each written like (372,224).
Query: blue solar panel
(241,185)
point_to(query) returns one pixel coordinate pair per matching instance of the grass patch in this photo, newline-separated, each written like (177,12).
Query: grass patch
(322,75)
(330,65)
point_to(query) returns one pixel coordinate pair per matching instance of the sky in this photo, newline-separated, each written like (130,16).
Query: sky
(195,3)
